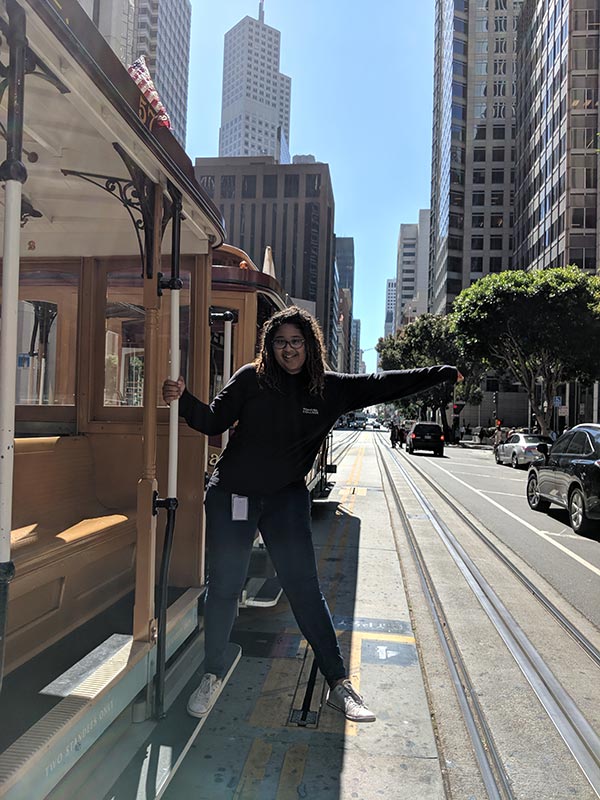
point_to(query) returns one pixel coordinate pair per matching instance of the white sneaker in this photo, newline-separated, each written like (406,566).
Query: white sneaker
(203,699)
(346,699)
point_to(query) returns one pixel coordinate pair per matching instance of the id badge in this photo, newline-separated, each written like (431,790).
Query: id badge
(239,508)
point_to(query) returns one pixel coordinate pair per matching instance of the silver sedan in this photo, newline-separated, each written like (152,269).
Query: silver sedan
(520,449)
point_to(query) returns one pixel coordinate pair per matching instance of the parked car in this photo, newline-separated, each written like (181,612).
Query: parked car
(520,449)
(569,476)
(426,436)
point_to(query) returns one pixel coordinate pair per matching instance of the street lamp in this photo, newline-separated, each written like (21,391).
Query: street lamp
(368,350)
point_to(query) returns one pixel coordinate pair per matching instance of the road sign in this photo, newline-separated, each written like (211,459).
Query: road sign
(563,411)
(557,402)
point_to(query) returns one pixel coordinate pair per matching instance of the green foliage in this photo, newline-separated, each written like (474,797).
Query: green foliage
(539,324)
(427,341)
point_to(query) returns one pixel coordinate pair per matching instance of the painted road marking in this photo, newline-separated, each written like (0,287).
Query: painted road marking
(348,491)
(272,707)
(504,494)
(528,525)
(292,772)
(253,774)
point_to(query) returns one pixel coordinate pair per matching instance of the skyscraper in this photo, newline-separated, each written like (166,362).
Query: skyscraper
(114,19)
(390,306)
(355,347)
(344,253)
(473,140)
(162,34)
(412,270)
(255,106)
(289,207)
(556,202)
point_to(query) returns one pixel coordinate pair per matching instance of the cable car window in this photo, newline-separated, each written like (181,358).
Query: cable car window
(47,337)
(124,335)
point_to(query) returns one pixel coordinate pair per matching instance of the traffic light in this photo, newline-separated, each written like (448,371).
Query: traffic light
(495,398)
(457,408)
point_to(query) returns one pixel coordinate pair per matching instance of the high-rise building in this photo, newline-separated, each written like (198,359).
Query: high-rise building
(162,34)
(291,208)
(355,351)
(390,306)
(344,256)
(115,20)
(473,140)
(412,270)
(344,331)
(344,253)
(255,105)
(556,202)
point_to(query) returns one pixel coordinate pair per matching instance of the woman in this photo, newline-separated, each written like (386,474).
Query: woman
(284,404)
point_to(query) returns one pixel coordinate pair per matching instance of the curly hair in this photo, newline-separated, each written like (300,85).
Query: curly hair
(268,370)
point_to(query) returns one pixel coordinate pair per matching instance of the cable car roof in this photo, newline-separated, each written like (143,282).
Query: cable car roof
(79,103)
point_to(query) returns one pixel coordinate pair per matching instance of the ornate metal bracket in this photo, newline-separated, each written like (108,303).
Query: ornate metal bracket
(33,66)
(137,197)
(128,194)
(28,211)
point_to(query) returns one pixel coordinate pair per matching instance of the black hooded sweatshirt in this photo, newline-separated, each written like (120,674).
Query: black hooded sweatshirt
(279,433)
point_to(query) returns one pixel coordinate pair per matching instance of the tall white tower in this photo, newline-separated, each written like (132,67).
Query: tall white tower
(255,105)
(390,306)
(412,270)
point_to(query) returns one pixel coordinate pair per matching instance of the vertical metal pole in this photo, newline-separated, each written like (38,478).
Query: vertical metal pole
(227,344)
(170,502)
(174,407)
(13,172)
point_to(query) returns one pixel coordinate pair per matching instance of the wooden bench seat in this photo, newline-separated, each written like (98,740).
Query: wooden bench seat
(73,555)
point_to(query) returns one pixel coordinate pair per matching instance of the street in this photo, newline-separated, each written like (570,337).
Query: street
(495,495)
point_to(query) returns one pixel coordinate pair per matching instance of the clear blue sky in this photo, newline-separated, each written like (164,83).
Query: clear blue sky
(362,76)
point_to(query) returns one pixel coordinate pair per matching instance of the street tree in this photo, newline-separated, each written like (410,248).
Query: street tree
(541,326)
(425,342)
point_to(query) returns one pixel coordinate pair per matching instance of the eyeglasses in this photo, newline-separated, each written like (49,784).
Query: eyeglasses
(296,342)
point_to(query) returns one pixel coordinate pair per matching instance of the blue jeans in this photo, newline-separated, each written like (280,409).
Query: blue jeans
(283,519)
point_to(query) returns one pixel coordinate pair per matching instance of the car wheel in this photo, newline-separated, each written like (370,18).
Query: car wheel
(514,461)
(497,457)
(536,502)
(580,522)
(439,453)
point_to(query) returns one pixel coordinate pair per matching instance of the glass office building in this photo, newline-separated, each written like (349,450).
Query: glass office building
(556,207)
(473,139)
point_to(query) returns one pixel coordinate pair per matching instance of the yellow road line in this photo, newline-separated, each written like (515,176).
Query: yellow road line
(248,787)
(380,637)
(292,772)
(272,707)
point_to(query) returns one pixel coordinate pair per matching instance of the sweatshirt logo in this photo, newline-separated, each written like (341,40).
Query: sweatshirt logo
(310,410)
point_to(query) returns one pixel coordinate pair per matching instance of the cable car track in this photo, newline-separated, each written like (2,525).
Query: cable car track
(576,731)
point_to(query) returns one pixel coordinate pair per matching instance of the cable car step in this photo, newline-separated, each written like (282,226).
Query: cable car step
(260,592)
(155,762)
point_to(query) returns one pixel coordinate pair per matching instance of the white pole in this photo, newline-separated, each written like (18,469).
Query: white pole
(8,358)
(227,341)
(174,407)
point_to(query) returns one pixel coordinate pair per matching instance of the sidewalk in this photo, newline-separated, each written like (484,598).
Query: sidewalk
(473,444)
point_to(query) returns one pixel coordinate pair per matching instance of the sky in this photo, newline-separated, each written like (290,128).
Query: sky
(362,85)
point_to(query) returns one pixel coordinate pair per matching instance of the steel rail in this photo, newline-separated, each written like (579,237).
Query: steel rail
(491,768)
(590,649)
(571,724)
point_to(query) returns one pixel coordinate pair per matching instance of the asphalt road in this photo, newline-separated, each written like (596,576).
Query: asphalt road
(495,495)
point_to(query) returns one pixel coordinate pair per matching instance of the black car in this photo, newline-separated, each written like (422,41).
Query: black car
(426,436)
(569,476)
